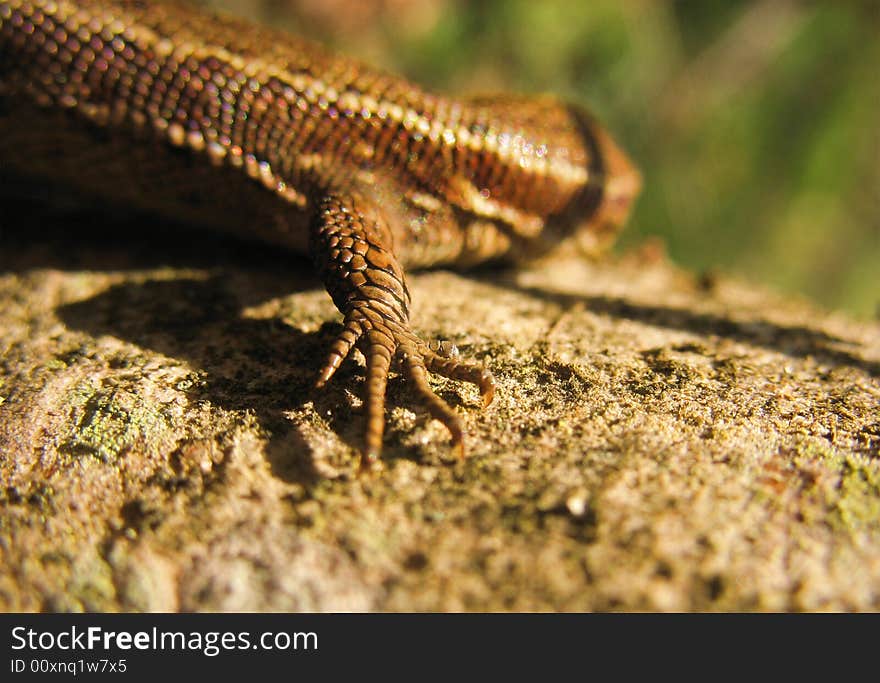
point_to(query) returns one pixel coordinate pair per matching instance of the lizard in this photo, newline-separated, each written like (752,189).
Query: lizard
(243,128)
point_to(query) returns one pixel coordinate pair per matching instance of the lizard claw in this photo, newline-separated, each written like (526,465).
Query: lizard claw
(383,340)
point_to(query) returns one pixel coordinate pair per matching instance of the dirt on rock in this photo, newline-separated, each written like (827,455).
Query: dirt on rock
(658,441)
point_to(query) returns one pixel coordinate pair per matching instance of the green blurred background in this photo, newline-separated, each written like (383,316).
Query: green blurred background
(756,123)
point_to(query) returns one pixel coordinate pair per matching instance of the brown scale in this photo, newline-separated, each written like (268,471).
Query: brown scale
(312,151)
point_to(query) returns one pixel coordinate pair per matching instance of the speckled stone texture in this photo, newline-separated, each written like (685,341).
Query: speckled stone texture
(658,441)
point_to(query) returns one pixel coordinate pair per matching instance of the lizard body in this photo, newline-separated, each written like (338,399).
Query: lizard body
(241,128)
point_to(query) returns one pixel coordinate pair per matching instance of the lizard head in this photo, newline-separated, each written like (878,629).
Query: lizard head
(548,172)
(596,211)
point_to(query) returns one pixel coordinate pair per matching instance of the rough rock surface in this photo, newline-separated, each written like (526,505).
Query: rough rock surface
(658,441)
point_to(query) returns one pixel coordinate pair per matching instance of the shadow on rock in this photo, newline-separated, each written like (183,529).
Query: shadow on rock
(795,341)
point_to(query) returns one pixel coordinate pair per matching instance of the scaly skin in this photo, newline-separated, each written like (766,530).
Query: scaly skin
(244,129)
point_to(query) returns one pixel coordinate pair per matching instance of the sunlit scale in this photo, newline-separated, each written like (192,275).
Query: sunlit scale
(304,90)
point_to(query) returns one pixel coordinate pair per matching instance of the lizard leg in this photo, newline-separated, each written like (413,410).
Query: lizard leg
(351,246)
